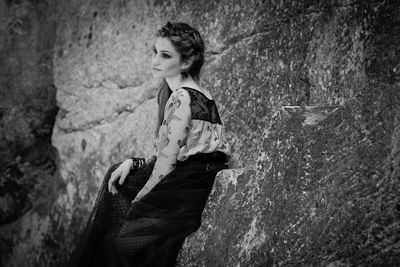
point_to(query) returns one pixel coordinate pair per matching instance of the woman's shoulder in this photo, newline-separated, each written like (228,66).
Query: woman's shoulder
(198,90)
(178,97)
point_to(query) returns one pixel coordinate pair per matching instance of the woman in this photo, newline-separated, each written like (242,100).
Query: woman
(145,209)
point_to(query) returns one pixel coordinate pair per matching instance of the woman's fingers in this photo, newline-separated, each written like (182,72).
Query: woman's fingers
(123,176)
(122,171)
(110,181)
(114,176)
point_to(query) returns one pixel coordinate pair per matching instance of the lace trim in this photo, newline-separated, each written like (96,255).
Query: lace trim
(203,108)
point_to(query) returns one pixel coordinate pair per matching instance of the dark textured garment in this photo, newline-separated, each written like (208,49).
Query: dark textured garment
(149,232)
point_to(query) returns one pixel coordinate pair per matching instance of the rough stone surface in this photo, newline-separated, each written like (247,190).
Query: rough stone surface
(27,92)
(28,179)
(308,92)
(315,197)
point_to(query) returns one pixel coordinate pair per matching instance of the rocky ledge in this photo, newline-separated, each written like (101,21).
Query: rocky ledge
(319,194)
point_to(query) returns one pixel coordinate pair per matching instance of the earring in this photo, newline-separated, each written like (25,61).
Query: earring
(184,73)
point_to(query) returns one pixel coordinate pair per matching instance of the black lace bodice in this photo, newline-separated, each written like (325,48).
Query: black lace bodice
(203,108)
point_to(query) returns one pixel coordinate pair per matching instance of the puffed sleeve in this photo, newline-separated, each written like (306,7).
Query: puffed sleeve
(176,125)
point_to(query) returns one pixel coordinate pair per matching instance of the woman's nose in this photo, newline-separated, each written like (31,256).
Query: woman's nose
(154,61)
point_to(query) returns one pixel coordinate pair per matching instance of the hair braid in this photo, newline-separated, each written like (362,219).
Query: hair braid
(189,44)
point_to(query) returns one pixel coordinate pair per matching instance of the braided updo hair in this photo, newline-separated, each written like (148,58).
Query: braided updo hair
(189,44)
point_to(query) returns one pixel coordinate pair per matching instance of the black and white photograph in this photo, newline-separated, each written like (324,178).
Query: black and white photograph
(199,133)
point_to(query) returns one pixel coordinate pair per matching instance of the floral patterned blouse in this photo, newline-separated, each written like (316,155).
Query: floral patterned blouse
(191,125)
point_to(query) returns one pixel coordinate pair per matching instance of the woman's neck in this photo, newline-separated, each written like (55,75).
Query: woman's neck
(176,82)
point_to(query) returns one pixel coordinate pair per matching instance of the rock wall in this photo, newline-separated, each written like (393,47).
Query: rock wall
(319,84)
(26,78)
(319,195)
(308,92)
(29,182)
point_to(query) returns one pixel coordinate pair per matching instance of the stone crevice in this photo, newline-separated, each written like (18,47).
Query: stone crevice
(118,112)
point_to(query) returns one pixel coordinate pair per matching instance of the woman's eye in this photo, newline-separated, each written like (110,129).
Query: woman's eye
(163,55)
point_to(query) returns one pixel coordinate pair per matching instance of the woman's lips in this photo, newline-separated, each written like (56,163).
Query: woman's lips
(156,69)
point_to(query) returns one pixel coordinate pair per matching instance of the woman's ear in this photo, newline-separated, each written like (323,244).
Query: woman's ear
(187,64)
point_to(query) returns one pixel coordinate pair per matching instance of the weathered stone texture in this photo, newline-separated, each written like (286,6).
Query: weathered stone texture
(28,179)
(27,92)
(309,92)
(311,198)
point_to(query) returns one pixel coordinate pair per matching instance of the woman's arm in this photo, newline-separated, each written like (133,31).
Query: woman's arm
(153,154)
(177,118)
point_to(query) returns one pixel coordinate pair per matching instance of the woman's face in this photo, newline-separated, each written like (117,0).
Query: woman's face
(166,60)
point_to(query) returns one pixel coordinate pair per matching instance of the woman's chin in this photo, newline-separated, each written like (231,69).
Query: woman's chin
(156,74)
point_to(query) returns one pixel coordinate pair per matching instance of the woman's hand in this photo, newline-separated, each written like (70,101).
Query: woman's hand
(122,171)
(139,196)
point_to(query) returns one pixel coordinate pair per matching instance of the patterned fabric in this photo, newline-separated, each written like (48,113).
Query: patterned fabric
(149,232)
(172,135)
(137,163)
(191,125)
(169,193)
(207,133)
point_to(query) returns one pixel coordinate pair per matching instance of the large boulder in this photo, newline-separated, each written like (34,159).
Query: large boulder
(318,194)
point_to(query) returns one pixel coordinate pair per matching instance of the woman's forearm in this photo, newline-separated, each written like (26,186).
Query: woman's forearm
(161,169)
(150,184)
(150,159)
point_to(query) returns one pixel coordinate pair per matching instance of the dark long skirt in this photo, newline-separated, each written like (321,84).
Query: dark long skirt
(151,231)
